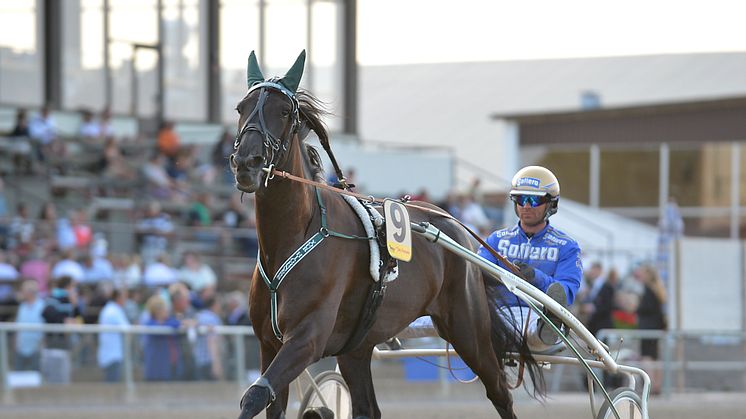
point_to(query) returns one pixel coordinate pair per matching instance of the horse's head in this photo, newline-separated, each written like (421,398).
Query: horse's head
(269,119)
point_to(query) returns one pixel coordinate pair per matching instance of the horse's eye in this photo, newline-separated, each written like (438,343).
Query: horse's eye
(285,113)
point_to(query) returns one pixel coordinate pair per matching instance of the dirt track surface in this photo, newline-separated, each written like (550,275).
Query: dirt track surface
(397,400)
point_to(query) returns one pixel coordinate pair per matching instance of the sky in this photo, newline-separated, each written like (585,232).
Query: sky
(426,31)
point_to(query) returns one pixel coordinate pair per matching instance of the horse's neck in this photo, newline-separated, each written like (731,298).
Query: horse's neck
(283,212)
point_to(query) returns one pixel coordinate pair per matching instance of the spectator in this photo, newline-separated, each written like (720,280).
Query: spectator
(68,266)
(650,316)
(599,308)
(115,165)
(238,315)
(169,143)
(154,231)
(96,131)
(89,129)
(93,298)
(97,269)
(21,127)
(238,312)
(3,211)
(161,353)
(61,308)
(46,226)
(127,271)
(198,172)
(65,233)
(21,231)
(178,168)
(8,278)
(183,311)
(28,343)
(104,125)
(473,215)
(221,152)
(159,273)
(160,184)
(594,302)
(207,348)
(22,149)
(196,274)
(82,229)
(200,211)
(110,345)
(43,129)
(37,268)
(239,214)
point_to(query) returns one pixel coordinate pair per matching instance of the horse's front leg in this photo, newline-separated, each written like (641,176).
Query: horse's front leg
(302,348)
(276,409)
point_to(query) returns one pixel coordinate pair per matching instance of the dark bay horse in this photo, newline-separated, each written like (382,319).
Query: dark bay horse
(318,304)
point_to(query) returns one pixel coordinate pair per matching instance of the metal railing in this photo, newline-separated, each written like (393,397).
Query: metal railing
(237,334)
(673,352)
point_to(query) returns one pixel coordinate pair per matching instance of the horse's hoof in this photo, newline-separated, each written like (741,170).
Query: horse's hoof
(318,413)
(254,400)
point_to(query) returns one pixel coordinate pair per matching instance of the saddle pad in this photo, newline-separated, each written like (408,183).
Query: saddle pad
(365,213)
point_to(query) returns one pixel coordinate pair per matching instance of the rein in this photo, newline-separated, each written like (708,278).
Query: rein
(272,172)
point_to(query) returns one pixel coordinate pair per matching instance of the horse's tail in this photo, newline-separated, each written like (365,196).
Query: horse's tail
(507,337)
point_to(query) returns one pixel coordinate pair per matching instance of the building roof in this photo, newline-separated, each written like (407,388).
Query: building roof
(719,120)
(625,111)
(452,104)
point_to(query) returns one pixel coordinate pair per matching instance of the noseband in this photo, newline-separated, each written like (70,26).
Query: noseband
(272,143)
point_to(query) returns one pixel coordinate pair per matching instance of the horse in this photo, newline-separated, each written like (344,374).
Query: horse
(316,309)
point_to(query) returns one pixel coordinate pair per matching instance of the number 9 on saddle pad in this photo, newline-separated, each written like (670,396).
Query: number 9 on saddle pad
(398,232)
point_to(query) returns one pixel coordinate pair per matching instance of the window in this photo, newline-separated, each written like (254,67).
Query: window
(21,75)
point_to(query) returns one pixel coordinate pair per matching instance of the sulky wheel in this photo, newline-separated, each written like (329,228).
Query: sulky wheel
(333,391)
(627,403)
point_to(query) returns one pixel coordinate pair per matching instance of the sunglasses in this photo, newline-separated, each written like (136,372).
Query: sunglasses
(532,200)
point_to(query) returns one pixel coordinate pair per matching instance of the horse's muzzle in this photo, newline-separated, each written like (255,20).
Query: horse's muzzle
(248,172)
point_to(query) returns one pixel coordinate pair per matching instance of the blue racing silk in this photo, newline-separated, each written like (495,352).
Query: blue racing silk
(554,255)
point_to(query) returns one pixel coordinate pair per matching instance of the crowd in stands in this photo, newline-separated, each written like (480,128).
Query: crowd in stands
(56,267)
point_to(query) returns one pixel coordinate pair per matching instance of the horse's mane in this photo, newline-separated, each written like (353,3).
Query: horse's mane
(312,110)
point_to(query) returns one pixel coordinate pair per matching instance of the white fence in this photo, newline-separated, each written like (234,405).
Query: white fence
(129,333)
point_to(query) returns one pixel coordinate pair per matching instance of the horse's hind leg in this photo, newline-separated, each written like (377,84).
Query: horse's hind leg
(470,338)
(355,368)
(467,325)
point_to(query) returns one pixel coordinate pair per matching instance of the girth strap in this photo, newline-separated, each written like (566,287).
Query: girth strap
(274,284)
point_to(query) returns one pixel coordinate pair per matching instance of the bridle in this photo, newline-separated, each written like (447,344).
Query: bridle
(272,143)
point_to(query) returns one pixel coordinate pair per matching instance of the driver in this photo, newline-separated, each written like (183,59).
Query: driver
(548,258)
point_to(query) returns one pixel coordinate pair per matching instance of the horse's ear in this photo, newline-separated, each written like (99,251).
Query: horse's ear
(291,79)
(253,72)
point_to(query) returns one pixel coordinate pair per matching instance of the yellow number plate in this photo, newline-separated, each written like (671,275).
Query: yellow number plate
(398,232)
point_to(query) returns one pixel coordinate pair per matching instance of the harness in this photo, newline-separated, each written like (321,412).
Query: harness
(295,258)
(274,146)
